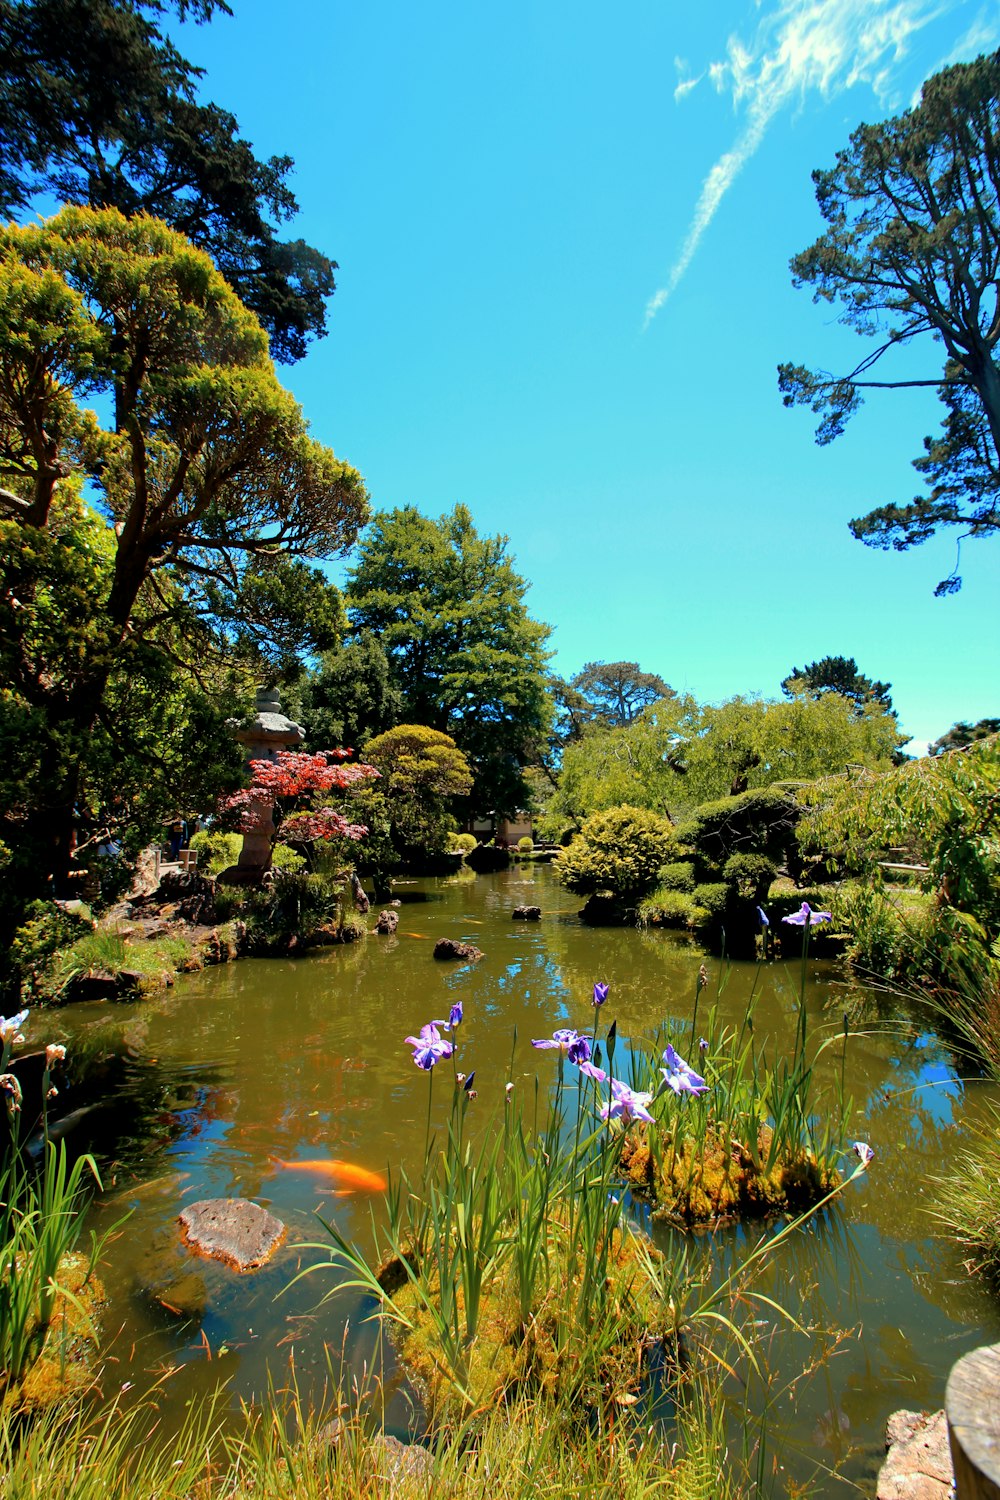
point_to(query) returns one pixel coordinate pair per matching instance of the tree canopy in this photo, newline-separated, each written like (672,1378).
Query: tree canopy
(98,107)
(618,691)
(961,735)
(838,674)
(468,659)
(678,754)
(911,254)
(214,497)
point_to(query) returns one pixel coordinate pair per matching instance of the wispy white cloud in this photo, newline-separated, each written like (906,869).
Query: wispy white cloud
(800,47)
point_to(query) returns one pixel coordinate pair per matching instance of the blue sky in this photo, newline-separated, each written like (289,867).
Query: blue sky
(563,240)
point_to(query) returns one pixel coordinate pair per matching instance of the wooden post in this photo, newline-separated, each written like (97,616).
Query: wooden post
(972,1404)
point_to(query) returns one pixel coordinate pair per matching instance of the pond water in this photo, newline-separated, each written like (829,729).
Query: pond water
(219,1086)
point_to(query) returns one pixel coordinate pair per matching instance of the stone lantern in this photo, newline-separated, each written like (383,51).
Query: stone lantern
(263,736)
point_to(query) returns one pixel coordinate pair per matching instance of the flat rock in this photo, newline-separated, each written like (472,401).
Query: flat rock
(239,1233)
(449,948)
(526,914)
(918,1462)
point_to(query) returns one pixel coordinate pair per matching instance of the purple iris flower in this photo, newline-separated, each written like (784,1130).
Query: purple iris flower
(591,1070)
(762,917)
(702,1045)
(626,1104)
(806,917)
(863,1152)
(429,1047)
(600,993)
(9,1029)
(679,1077)
(455,1017)
(564,1039)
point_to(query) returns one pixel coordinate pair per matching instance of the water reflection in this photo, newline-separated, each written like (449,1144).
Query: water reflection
(204,1090)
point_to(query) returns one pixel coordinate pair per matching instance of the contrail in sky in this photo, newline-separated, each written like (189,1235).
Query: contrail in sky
(803,47)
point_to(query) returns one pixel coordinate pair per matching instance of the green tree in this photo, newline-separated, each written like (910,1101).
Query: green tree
(423,771)
(159,741)
(618,691)
(98,107)
(206,475)
(838,674)
(350,695)
(619,851)
(467,657)
(961,735)
(910,253)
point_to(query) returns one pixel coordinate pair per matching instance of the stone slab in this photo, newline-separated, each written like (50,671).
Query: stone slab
(918,1463)
(239,1233)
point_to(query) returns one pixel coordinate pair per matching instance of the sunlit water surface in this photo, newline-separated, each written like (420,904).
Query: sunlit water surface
(214,1087)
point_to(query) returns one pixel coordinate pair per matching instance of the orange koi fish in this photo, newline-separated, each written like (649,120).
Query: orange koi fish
(351,1178)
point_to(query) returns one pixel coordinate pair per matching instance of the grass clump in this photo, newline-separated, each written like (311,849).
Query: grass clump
(968,1199)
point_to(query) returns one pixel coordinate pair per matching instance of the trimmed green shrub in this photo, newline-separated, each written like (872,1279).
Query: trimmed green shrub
(462,843)
(759,822)
(713,896)
(216,850)
(525,845)
(620,851)
(666,908)
(750,875)
(678,876)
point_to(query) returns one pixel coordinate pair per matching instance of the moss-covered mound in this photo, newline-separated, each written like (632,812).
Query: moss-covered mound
(566,1349)
(65,1366)
(721,1178)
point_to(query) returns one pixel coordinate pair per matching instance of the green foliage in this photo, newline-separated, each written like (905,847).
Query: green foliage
(423,770)
(525,845)
(759,823)
(838,674)
(967,1203)
(750,875)
(677,755)
(910,250)
(291,910)
(216,850)
(961,735)
(97,106)
(121,632)
(667,907)
(46,930)
(351,695)
(713,897)
(677,875)
(877,926)
(616,693)
(461,843)
(448,607)
(620,851)
(942,815)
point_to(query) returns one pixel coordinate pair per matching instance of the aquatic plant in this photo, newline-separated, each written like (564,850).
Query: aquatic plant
(42,1279)
(967,1200)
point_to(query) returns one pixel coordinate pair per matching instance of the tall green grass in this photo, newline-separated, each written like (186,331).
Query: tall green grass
(41,1226)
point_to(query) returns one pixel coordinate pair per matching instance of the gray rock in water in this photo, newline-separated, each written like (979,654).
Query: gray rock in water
(449,948)
(239,1233)
(918,1462)
(526,914)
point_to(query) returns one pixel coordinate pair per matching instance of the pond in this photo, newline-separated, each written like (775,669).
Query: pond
(222,1085)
